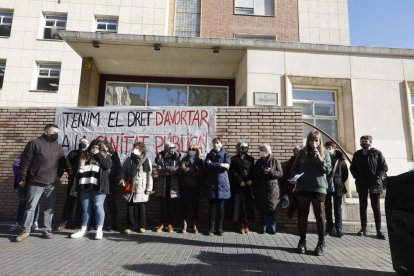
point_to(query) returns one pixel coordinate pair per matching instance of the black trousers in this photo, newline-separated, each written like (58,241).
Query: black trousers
(167,210)
(111,203)
(135,209)
(216,213)
(303,213)
(190,198)
(375,204)
(68,207)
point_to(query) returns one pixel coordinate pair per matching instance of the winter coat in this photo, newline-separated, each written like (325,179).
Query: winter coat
(339,176)
(267,184)
(167,168)
(371,180)
(72,162)
(42,161)
(314,172)
(285,186)
(217,179)
(16,168)
(141,175)
(191,174)
(240,170)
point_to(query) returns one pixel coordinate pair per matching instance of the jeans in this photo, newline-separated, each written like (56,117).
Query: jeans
(337,206)
(375,204)
(34,192)
(21,208)
(268,219)
(91,199)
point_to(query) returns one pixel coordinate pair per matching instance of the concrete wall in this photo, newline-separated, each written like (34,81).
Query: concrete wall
(280,127)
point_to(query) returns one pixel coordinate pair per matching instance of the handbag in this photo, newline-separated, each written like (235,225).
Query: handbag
(128,186)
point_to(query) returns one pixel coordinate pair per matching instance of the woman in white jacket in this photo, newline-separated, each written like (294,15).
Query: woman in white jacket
(138,169)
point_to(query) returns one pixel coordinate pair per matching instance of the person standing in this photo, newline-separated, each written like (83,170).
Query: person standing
(41,166)
(336,189)
(369,169)
(267,172)
(241,180)
(168,163)
(191,176)
(217,184)
(137,168)
(314,163)
(288,189)
(93,186)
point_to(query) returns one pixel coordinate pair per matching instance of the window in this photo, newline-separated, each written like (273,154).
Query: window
(319,109)
(254,7)
(6,19)
(155,94)
(48,76)
(106,25)
(255,37)
(187,18)
(2,71)
(52,25)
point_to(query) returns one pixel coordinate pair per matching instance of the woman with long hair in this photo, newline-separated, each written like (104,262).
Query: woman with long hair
(314,164)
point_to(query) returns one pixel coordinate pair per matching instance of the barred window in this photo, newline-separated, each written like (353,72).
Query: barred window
(187,18)
(48,76)
(6,19)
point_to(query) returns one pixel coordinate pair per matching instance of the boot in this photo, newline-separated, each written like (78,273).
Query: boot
(320,248)
(302,246)
(362,232)
(184,226)
(380,235)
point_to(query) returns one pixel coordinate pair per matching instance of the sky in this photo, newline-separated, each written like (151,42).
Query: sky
(382,23)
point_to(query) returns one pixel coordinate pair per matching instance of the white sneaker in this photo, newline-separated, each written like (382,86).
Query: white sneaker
(79,234)
(15,227)
(35,226)
(99,234)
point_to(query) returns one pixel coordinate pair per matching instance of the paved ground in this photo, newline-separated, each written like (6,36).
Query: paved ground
(191,254)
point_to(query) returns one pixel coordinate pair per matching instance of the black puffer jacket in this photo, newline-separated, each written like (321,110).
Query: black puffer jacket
(371,180)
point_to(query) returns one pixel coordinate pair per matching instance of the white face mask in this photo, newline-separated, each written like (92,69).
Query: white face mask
(192,153)
(136,152)
(217,146)
(262,154)
(94,151)
(330,151)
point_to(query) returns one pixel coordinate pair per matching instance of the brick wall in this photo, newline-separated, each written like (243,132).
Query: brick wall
(218,20)
(280,127)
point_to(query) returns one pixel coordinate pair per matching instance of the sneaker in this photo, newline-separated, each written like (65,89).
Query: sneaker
(170,228)
(159,229)
(320,248)
(302,246)
(127,231)
(362,232)
(22,236)
(79,234)
(142,230)
(47,234)
(99,234)
(35,226)
(15,227)
(380,235)
(61,227)
(220,232)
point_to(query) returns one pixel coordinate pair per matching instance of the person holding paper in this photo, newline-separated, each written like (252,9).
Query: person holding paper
(311,187)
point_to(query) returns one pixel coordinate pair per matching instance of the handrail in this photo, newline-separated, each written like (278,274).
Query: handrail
(330,137)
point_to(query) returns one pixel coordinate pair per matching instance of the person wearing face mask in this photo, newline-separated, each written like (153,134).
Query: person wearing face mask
(336,189)
(92,186)
(217,185)
(288,189)
(41,166)
(314,163)
(191,175)
(72,160)
(168,163)
(369,169)
(138,168)
(241,180)
(267,173)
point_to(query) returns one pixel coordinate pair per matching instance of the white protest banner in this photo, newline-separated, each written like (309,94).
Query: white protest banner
(123,126)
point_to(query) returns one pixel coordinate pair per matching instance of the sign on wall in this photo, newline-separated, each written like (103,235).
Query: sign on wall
(123,126)
(266,98)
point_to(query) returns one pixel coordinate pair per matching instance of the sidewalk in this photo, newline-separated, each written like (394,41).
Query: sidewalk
(190,254)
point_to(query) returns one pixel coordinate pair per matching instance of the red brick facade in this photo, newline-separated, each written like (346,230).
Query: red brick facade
(218,20)
(280,127)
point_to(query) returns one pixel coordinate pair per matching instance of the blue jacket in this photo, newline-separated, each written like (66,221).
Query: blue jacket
(217,179)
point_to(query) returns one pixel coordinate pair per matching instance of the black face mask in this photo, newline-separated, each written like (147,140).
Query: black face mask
(53,137)
(81,146)
(365,146)
(244,149)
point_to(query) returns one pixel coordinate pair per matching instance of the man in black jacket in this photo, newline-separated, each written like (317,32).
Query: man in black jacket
(369,169)
(41,166)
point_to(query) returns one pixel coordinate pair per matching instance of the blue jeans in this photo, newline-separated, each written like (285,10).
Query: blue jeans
(21,208)
(92,199)
(337,206)
(269,219)
(34,192)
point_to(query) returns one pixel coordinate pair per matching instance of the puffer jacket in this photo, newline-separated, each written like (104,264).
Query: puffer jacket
(167,167)
(217,179)
(372,180)
(267,188)
(141,178)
